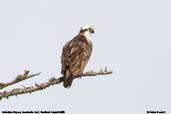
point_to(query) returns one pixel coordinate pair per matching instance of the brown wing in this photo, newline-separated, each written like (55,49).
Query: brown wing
(75,56)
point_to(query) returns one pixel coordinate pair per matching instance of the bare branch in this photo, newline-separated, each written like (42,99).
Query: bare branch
(19,78)
(50,82)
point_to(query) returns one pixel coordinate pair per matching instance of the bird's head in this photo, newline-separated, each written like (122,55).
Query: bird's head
(87,29)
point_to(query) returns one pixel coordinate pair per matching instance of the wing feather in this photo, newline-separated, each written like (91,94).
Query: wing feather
(75,56)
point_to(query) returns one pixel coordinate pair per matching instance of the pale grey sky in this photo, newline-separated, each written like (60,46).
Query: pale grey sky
(132,38)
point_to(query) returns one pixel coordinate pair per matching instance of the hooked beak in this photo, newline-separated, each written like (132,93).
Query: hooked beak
(92,31)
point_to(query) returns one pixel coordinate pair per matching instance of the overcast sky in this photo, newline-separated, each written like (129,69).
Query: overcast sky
(132,38)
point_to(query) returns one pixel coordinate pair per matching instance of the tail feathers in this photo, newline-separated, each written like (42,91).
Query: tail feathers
(67,79)
(68,82)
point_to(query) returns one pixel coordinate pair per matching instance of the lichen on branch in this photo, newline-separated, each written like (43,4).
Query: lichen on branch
(19,78)
(41,86)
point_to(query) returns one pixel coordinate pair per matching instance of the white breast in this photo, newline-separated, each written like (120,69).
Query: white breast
(87,35)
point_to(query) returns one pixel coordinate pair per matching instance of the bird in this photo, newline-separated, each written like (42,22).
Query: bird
(76,54)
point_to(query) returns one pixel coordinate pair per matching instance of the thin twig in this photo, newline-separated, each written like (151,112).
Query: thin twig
(50,82)
(19,78)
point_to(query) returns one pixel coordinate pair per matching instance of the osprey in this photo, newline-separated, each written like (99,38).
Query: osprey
(75,55)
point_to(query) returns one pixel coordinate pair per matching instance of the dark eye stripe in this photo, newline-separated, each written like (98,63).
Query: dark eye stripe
(85,29)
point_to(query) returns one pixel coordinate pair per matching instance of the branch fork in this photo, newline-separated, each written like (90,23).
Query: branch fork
(41,86)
